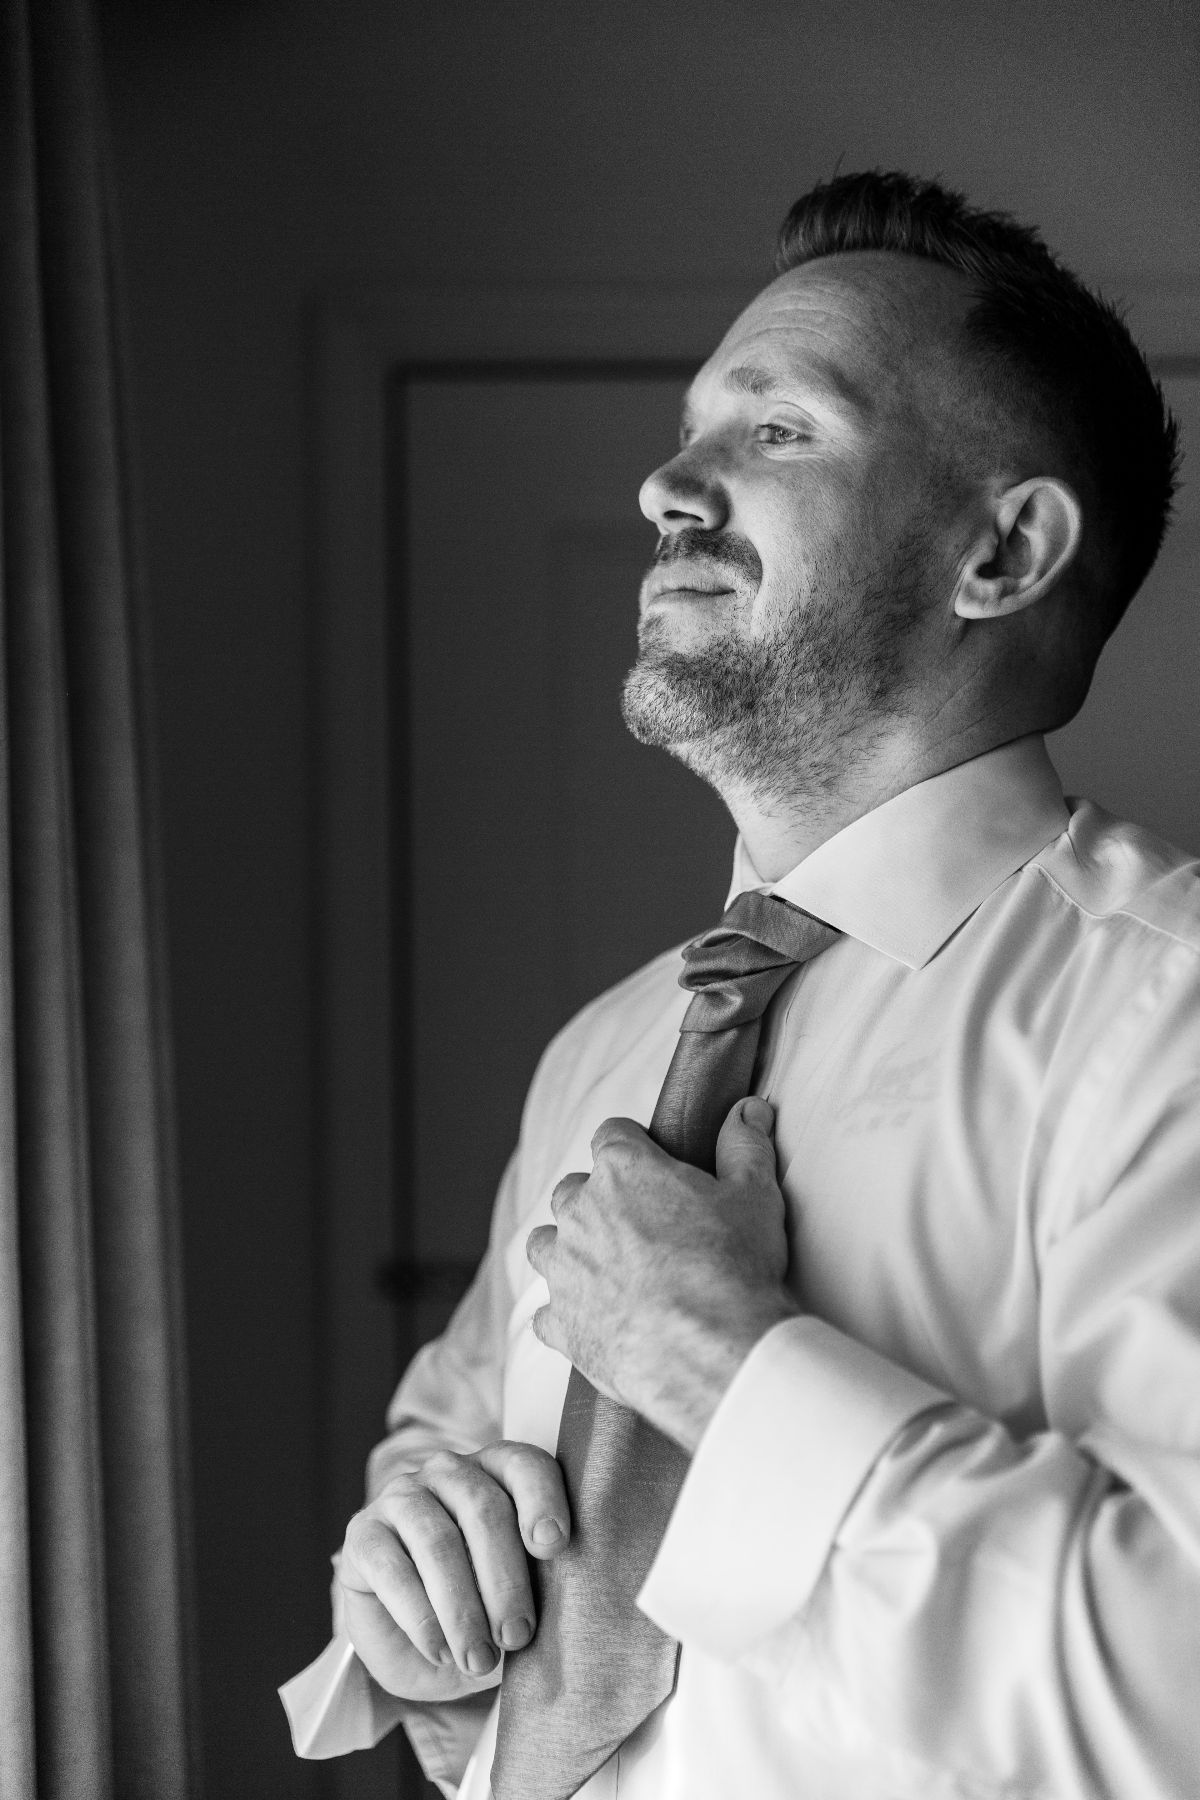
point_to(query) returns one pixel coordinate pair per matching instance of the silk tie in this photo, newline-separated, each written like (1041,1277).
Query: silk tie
(597,1667)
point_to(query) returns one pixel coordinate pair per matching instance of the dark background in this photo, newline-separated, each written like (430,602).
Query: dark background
(272,153)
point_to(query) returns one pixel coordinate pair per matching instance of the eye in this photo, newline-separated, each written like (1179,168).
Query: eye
(780,436)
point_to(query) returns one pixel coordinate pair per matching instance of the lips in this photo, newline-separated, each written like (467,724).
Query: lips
(668,580)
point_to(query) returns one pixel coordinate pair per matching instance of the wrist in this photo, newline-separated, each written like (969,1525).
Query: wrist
(698,1353)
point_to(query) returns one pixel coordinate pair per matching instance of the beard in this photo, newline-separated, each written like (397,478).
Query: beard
(788,714)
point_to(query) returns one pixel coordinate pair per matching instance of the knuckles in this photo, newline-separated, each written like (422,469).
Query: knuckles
(567,1190)
(538,1246)
(616,1132)
(358,1536)
(537,1469)
(514,1452)
(444,1465)
(615,1157)
(370,1545)
(486,1505)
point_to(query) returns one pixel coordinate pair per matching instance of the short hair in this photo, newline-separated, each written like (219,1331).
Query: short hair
(1044,339)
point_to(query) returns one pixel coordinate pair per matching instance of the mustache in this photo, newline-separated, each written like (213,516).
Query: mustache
(721,552)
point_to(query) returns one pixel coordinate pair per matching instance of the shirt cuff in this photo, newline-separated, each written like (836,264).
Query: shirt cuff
(804,1420)
(334,1706)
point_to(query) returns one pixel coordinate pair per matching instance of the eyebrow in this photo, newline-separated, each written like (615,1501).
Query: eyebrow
(747,379)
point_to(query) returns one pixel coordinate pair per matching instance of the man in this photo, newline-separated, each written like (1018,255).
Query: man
(925,1339)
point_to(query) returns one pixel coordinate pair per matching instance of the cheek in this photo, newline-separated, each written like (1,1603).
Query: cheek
(791,579)
(804,528)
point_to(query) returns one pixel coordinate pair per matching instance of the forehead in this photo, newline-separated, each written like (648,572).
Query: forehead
(860,330)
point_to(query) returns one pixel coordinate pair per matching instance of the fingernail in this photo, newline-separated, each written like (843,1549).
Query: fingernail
(481,1659)
(515,1632)
(546,1531)
(757,1111)
(445,1656)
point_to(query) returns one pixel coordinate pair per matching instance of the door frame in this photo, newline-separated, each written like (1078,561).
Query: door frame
(356,340)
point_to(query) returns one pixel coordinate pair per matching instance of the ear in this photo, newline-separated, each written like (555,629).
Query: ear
(1032,536)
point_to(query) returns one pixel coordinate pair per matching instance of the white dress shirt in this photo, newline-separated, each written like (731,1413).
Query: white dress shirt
(942,1535)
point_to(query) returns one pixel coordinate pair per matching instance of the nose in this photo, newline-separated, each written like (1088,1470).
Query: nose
(684,494)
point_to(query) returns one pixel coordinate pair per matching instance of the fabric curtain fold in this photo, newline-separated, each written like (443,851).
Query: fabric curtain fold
(93,1556)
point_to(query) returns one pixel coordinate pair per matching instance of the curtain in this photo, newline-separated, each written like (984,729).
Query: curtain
(93,1663)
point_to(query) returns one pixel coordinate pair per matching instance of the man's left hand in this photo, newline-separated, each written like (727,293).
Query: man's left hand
(662,1278)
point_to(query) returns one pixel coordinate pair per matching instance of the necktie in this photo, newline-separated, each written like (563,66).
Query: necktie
(597,1666)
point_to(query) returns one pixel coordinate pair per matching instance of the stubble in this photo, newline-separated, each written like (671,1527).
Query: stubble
(790,713)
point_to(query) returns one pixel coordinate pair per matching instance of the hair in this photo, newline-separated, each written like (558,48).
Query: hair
(1045,347)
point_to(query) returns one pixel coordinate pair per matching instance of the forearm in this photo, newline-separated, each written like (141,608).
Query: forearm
(700,1353)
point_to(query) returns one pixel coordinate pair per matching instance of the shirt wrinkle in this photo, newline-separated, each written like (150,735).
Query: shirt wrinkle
(1153,926)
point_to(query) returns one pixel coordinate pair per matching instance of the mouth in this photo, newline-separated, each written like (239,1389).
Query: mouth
(663,584)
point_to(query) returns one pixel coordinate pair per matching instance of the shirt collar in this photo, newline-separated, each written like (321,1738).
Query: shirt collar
(906,875)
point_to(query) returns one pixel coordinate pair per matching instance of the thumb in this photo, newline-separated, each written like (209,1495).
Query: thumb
(745,1148)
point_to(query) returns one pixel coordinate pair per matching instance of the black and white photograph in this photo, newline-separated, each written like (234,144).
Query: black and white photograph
(600,921)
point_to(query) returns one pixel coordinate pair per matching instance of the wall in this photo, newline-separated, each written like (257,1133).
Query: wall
(271,150)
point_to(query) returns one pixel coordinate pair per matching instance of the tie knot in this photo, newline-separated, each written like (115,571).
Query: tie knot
(737,967)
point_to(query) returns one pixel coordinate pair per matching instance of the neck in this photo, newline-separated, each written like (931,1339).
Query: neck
(781,824)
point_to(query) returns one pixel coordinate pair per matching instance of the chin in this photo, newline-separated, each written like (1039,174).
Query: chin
(651,707)
(668,701)
(678,625)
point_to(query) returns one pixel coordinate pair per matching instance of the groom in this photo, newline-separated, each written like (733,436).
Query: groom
(907,1357)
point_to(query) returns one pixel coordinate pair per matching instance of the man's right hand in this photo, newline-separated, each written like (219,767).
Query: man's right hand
(433,1572)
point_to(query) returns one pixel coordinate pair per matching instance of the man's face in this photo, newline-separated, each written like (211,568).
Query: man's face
(807,527)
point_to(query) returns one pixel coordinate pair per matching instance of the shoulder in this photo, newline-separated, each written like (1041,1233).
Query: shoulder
(1106,938)
(1121,883)
(1115,1002)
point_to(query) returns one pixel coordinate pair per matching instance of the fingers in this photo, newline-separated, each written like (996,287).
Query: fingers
(391,1657)
(618,1131)
(538,1247)
(444,1551)
(611,1134)
(411,1553)
(374,1562)
(476,1576)
(541,1240)
(547,1330)
(535,1482)
(745,1147)
(565,1191)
